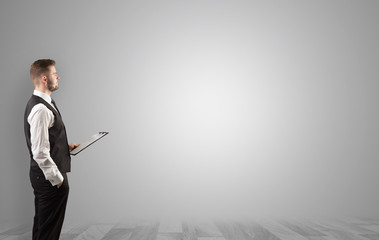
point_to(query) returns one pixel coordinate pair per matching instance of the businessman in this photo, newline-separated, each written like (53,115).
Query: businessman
(49,151)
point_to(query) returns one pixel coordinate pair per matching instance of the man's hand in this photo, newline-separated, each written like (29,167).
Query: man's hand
(60,184)
(72,146)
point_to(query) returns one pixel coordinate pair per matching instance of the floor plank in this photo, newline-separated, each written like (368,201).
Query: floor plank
(22,229)
(70,231)
(189,232)
(206,229)
(345,226)
(302,229)
(371,236)
(24,236)
(170,229)
(372,227)
(281,231)
(169,236)
(3,229)
(257,232)
(95,232)
(232,230)
(147,231)
(335,233)
(75,229)
(118,233)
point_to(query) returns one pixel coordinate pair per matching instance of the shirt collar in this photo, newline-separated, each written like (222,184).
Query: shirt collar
(44,96)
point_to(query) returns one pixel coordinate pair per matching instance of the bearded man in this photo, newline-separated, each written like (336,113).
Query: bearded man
(49,150)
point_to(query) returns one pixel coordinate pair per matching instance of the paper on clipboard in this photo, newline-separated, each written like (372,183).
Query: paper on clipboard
(87,143)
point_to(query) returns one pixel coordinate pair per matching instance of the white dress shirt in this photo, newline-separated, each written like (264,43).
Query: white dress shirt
(40,120)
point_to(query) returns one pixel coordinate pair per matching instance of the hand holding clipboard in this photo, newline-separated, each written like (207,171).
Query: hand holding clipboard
(87,143)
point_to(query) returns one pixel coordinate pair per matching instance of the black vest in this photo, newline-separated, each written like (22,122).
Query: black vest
(59,151)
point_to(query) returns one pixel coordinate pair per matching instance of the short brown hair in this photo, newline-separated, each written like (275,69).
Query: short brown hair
(40,67)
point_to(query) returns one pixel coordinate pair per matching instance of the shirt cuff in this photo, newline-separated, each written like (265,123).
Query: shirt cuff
(55,180)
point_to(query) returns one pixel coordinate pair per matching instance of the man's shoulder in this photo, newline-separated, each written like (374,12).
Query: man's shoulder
(40,109)
(34,100)
(38,103)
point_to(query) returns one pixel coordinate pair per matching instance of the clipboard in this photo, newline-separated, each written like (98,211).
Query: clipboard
(87,143)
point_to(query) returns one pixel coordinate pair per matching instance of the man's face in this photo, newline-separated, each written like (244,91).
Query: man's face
(52,79)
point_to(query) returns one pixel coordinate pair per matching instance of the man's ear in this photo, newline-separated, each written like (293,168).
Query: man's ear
(43,80)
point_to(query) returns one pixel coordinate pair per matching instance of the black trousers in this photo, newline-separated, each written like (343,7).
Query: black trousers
(50,205)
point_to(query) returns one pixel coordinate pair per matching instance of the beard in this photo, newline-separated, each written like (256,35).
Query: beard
(51,86)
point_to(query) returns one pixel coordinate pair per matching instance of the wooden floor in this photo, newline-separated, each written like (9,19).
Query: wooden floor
(339,229)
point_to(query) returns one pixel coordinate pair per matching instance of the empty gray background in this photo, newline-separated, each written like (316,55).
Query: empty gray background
(215,108)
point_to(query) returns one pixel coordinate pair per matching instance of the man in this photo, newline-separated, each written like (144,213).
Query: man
(49,151)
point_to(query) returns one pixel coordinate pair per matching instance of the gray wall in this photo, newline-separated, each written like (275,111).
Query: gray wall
(215,108)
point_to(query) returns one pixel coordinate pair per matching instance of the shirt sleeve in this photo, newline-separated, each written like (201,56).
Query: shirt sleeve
(40,120)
